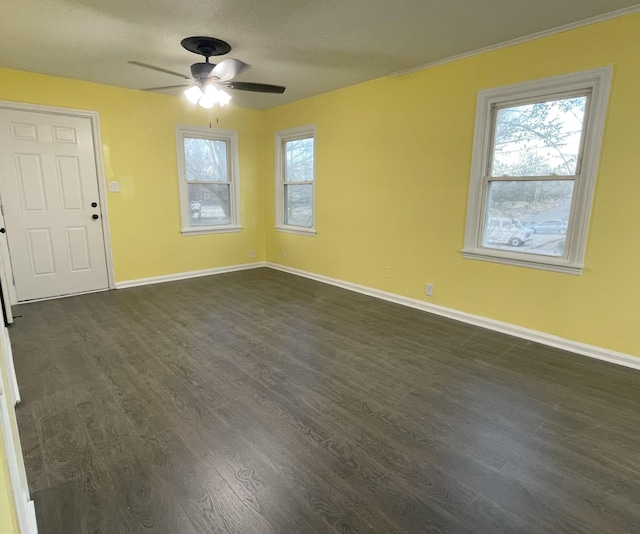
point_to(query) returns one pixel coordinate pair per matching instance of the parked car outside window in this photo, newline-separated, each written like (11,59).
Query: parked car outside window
(504,231)
(554,226)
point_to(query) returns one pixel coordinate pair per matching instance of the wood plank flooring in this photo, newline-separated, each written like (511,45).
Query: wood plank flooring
(259,402)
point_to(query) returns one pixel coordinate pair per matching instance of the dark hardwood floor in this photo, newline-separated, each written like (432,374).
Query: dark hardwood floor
(259,402)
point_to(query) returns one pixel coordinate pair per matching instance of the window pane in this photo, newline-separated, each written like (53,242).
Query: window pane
(528,216)
(538,139)
(298,206)
(298,156)
(205,160)
(209,204)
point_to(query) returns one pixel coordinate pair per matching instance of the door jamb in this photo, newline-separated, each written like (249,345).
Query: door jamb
(97,150)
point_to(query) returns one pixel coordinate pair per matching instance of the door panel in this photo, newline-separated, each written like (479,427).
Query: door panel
(24,131)
(70,182)
(48,181)
(31,181)
(64,135)
(78,247)
(41,251)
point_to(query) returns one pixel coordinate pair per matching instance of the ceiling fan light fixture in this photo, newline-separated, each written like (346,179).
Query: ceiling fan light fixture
(223,98)
(206,103)
(210,92)
(207,96)
(193,94)
(210,97)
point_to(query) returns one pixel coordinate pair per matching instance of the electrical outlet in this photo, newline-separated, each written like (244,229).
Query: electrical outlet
(429,290)
(387,272)
(284,253)
(252,253)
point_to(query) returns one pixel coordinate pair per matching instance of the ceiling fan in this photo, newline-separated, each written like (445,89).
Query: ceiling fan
(208,80)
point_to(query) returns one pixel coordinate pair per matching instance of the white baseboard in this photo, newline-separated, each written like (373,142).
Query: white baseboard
(32,524)
(591,351)
(189,274)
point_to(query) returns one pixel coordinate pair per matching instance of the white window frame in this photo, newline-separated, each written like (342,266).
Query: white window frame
(215,134)
(282,137)
(598,82)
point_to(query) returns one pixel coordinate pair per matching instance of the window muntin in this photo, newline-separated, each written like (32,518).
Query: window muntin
(535,155)
(295,177)
(207,161)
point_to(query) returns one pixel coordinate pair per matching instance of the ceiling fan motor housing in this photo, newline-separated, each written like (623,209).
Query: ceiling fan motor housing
(201,70)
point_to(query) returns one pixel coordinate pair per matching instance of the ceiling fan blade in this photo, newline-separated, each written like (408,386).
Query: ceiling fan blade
(256,87)
(159,69)
(166,87)
(228,69)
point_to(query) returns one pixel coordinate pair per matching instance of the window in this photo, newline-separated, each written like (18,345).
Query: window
(295,180)
(208,171)
(535,157)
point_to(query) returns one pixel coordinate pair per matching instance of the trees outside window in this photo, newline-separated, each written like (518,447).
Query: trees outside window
(207,161)
(535,158)
(295,180)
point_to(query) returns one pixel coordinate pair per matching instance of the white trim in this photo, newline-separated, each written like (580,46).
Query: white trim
(7,270)
(543,338)
(281,137)
(500,257)
(296,230)
(233,166)
(194,230)
(94,119)
(598,82)
(531,37)
(4,273)
(102,193)
(67,296)
(9,367)
(189,274)
(32,523)
(15,464)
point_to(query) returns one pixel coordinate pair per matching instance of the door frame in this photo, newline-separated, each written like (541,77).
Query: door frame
(97,149)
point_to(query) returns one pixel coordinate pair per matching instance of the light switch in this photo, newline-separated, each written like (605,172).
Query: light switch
(114,187)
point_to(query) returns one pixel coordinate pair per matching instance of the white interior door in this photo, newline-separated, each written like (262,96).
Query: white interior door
(51,205)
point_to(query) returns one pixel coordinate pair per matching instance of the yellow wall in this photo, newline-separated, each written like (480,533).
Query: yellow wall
(393,159)
(139,150)
(393,163)
(8,517)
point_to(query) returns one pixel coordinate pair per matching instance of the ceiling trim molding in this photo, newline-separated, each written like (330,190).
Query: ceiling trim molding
(519,40)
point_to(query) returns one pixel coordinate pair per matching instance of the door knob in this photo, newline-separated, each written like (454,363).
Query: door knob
(95,216)
(94,204)
(2,230)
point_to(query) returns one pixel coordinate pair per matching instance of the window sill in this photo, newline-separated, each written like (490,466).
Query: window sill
(211,230)
(538,262)
(296,230)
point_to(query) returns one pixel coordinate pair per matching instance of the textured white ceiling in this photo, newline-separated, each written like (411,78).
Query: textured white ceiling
(310,46)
